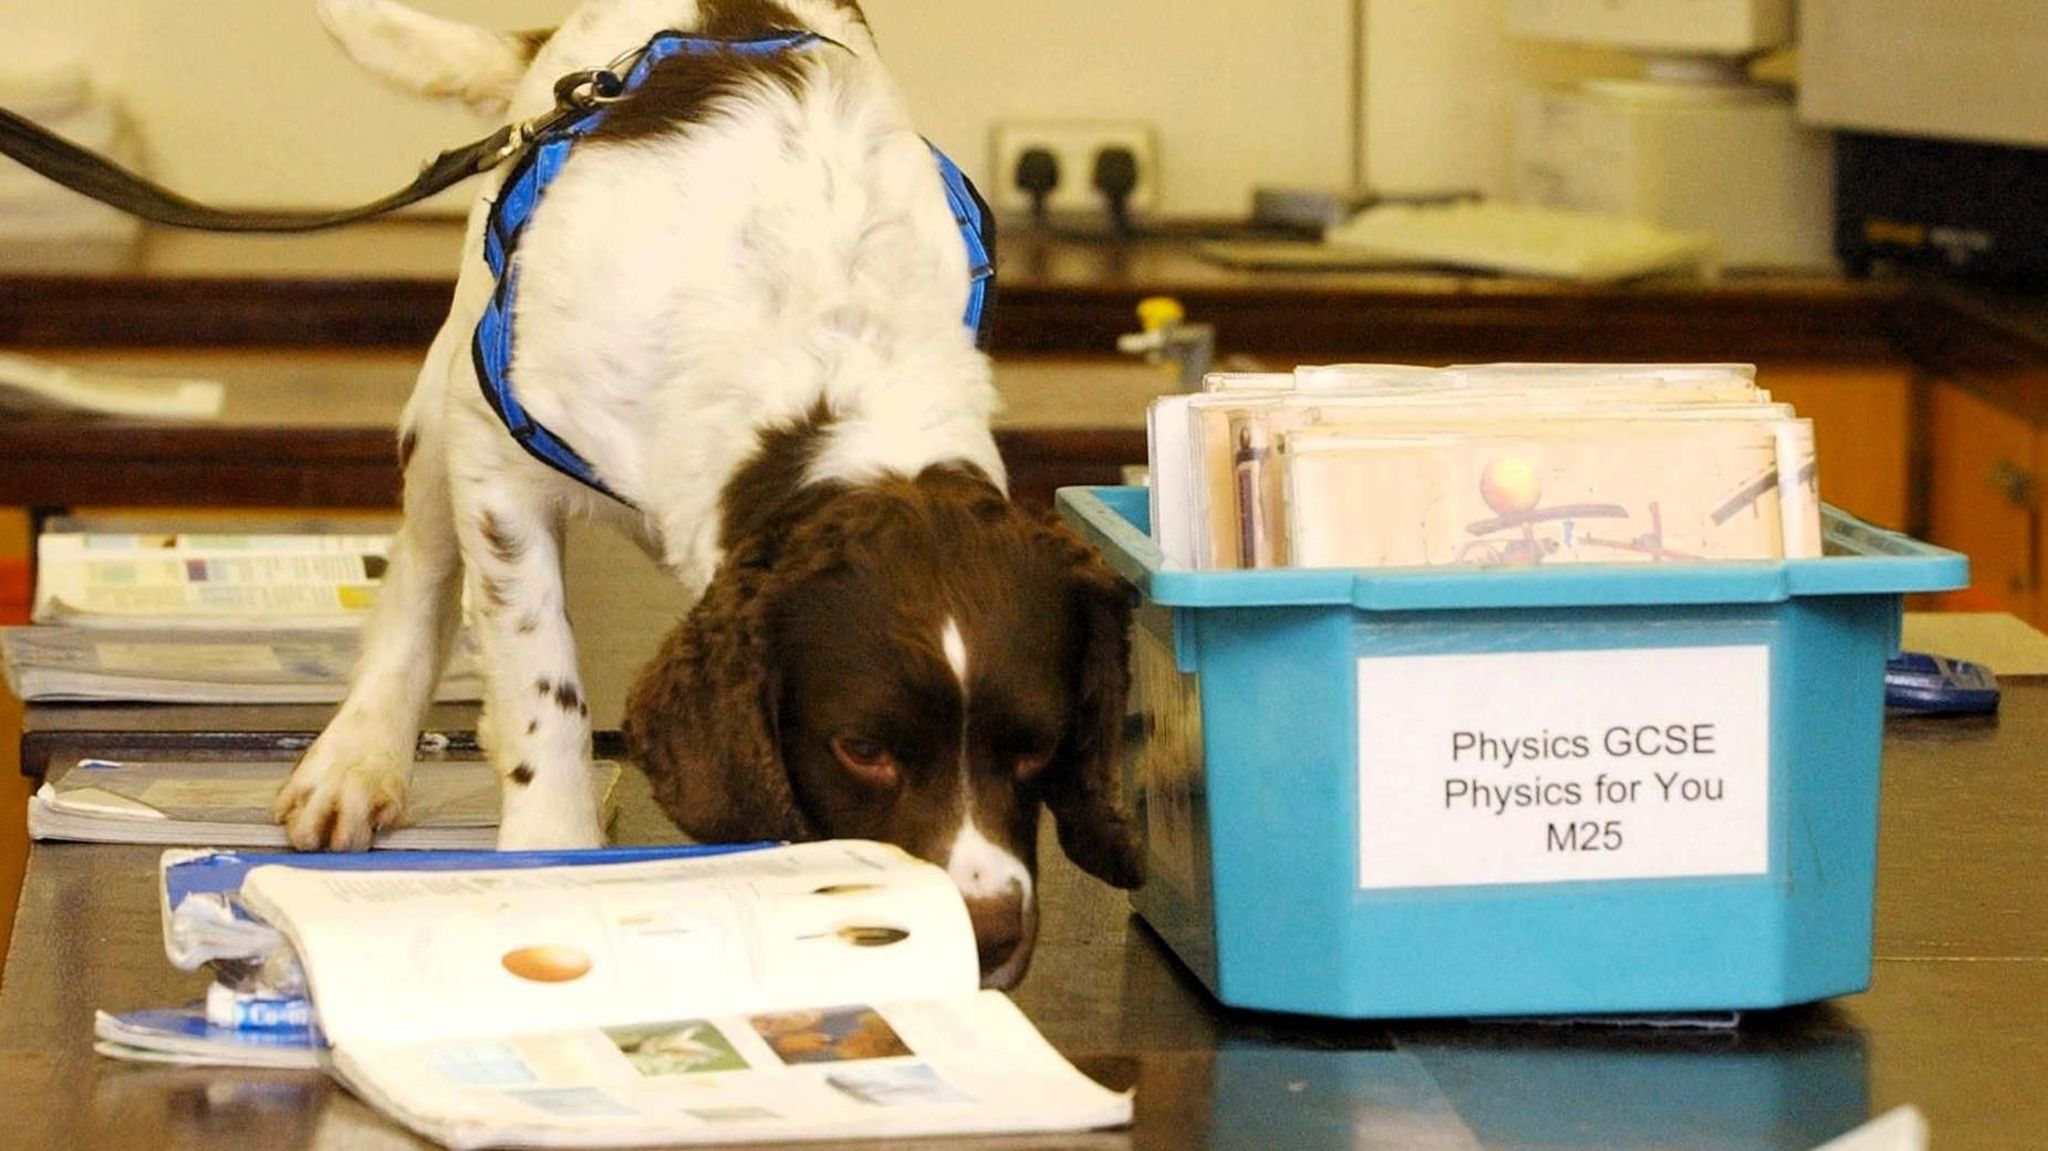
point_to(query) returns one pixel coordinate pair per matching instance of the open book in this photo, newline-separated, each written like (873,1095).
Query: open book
(256,1012)
(825,990)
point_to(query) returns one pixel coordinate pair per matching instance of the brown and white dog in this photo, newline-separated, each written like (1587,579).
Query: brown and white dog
(741,300)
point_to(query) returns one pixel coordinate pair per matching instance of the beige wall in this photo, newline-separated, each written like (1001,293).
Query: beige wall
(1241,91)
(246,102)
(1440,78)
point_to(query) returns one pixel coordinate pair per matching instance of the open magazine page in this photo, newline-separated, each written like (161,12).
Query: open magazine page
(408,956)
(966,1064)
(172,580)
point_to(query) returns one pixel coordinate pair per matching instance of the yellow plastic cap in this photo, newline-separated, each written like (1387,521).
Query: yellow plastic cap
(1157,312)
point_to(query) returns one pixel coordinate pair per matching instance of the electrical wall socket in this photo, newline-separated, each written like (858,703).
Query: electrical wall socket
(1075,144)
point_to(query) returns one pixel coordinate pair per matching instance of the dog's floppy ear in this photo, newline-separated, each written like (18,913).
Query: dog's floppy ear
(430,56)
(1081,786)
(701,719)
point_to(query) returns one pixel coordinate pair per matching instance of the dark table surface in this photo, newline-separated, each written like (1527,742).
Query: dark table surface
(318,338)
(1955,1022)
(388,285)
(316,428)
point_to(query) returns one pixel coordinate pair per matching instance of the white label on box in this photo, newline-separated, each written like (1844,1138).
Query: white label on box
(1543,767)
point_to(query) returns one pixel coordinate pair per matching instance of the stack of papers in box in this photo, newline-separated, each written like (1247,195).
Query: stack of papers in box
(1497,465)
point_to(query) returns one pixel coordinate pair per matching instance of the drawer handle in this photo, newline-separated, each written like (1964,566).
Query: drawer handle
(2016,482)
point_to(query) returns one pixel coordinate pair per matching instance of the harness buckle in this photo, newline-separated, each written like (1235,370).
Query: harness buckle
(595,87)
(589,88)
(575,93)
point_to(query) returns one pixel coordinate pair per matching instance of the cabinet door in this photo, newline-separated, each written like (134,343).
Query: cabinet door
(1862,429)
(1982,501)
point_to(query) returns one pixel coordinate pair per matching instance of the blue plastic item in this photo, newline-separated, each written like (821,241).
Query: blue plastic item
(1915,681)
(1246,767)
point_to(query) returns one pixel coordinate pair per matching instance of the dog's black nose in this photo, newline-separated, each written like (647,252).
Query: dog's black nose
(1003,937)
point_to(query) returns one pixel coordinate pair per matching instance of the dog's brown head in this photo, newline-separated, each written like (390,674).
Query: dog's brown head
(911,660)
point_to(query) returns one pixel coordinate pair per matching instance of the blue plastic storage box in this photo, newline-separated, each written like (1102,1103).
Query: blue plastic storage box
(1545,790)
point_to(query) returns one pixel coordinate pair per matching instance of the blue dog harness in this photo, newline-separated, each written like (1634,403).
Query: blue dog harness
(547,149)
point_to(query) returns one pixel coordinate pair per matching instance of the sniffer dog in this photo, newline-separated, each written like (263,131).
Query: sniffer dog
(740,300)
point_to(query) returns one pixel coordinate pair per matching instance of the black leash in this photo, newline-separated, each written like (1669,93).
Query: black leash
(94,176)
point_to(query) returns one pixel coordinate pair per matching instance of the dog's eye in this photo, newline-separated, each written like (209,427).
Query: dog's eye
(866,759)
(1030,763)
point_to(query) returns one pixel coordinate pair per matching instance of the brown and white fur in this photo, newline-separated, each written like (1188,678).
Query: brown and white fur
(741,300)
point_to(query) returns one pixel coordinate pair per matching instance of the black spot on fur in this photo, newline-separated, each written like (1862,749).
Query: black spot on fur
(532,725)
(544,686)
(528,624)
(523,774)
(506,547)
(689,89)
(568,696)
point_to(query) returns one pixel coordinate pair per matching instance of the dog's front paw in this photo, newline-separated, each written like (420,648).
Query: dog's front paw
(335,805)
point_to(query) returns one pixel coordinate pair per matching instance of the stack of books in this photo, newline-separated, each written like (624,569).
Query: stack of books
(1490,465)
(204,618)
(221,617)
